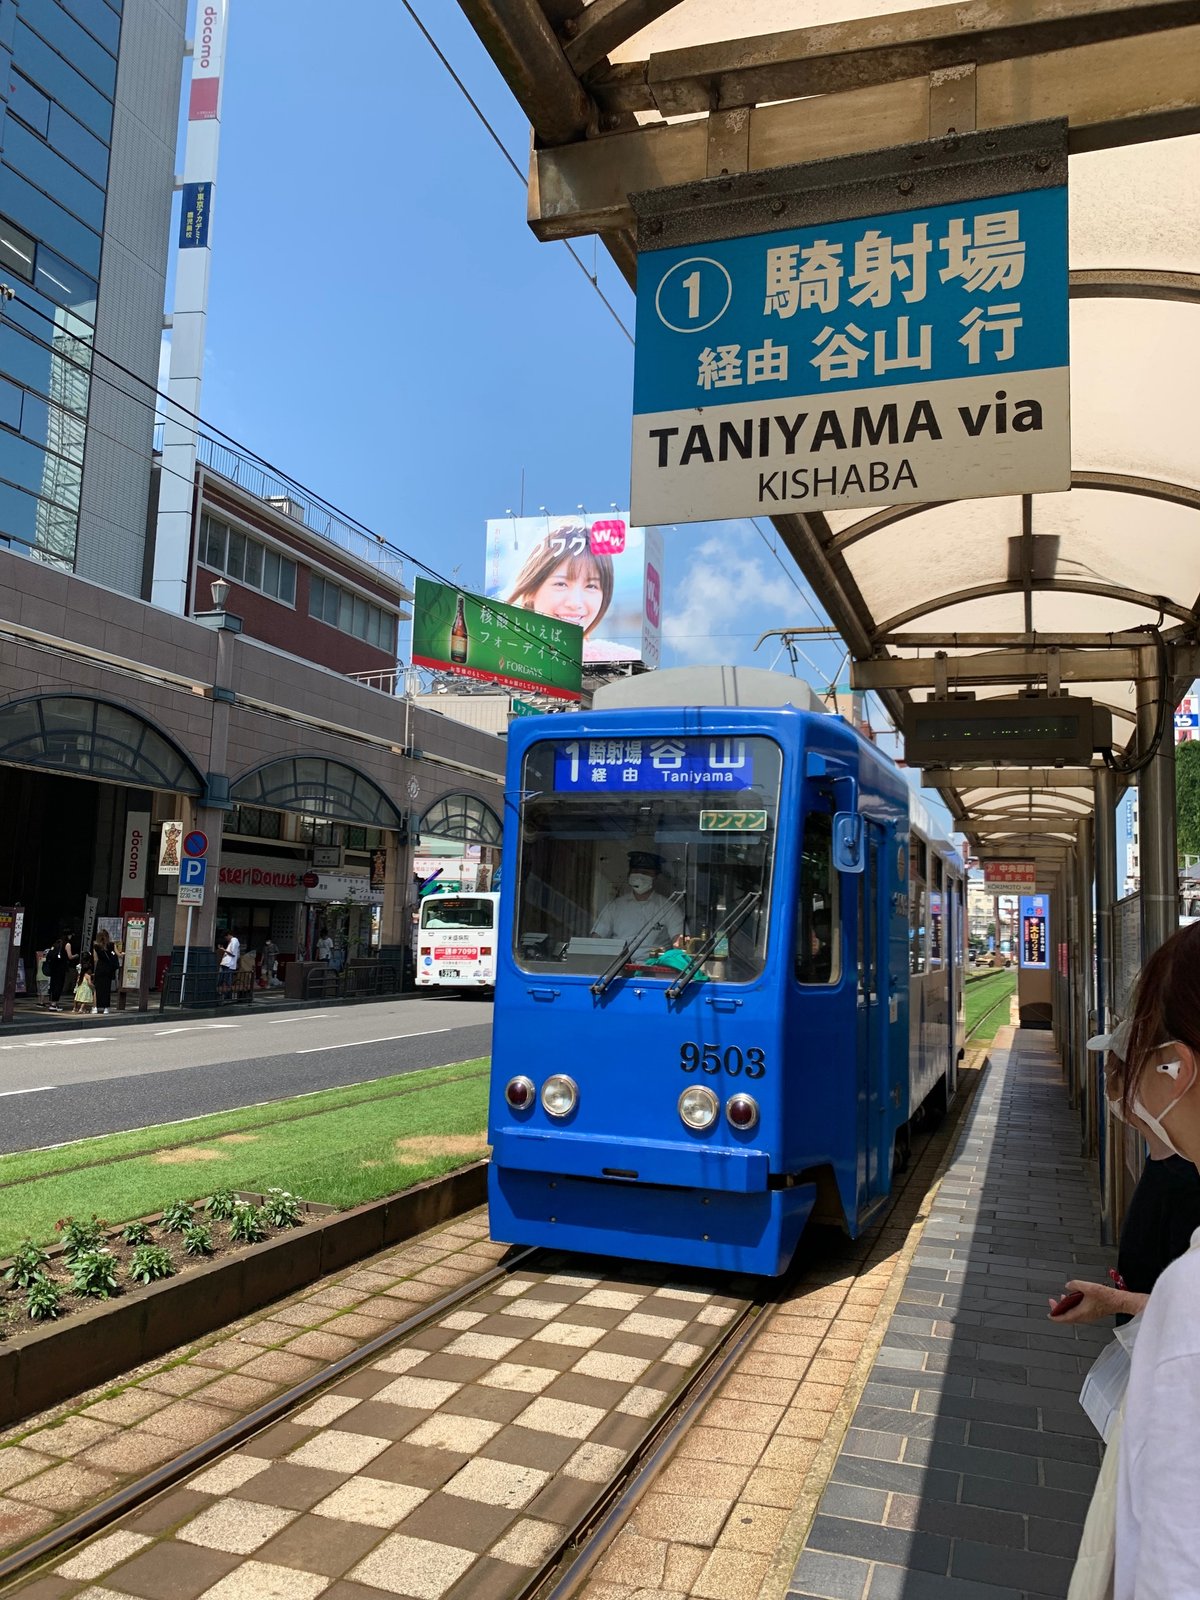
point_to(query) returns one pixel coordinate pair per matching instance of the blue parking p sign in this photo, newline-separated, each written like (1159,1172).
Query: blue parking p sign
(192,870)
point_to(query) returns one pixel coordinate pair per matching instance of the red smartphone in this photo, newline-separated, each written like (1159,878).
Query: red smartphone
(1068,1302)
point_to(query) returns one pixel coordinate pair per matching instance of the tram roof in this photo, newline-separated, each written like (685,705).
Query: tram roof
(628,95)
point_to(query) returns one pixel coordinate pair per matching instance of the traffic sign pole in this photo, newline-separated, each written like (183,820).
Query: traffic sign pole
(187,945)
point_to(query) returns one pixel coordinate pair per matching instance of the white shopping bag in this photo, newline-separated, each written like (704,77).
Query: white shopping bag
(1104,1387)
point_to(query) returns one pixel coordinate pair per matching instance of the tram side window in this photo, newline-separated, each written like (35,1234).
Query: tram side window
(918,907)
(818,942)
(937,912)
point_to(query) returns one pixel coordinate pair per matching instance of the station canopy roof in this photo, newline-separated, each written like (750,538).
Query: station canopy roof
(631,95)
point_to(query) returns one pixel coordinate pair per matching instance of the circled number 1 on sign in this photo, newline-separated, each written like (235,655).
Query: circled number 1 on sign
(693,295)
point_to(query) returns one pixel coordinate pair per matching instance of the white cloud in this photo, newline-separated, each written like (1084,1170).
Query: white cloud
(725,589)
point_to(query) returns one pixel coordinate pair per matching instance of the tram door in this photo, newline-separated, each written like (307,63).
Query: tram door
(871,1022)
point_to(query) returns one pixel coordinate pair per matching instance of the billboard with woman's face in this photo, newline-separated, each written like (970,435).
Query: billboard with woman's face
(595,572)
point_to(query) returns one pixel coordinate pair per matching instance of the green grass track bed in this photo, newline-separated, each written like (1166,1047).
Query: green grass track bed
(340,1147)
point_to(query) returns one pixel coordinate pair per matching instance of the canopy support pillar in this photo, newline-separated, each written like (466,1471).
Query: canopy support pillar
(1156,812)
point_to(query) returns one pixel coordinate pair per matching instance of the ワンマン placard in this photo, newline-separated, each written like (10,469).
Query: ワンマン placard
(912,355)
(457,632)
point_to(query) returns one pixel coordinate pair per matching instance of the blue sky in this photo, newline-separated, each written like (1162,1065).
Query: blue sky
(384,326)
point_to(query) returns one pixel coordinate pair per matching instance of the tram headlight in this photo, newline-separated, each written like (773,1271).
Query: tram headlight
(560,1095)
(742,1111)
(698,1106)
(520,1093)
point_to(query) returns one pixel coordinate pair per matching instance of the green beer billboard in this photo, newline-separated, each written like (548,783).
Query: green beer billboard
(454,631)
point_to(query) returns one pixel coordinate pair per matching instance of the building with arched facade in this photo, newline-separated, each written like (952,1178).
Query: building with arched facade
(117,717)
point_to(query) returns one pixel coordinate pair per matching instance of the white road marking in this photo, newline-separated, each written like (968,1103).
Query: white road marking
(351,1044)
(195,1027)
(307,1016)
(46,1089)
(49,1044)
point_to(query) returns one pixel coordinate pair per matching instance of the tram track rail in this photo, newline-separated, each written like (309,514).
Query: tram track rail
(565,1571)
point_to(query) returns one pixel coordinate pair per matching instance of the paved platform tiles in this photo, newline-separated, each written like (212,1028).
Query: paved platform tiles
(450,1466)
(55,1465)
(968,1464)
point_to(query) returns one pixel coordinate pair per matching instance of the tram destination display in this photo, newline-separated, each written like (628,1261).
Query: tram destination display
(603,766)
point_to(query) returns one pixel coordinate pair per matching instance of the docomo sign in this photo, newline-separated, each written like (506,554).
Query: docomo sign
(1010,877)
(207,61)
(133,858)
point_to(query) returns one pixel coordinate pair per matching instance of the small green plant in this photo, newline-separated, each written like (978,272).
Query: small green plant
(177,1216)
(246,1224)
(221,1205)
(27,1264)
(78,1237)
(151,1261)
(282,1209)
(94,1273)
(135,1233)
(44,1299)
(197,1239)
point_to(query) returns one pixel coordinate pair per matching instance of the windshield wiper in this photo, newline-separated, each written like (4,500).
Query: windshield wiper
(631,944)
(733,921)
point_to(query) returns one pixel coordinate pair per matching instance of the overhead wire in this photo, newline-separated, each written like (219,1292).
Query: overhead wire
(591,277)
(209,430)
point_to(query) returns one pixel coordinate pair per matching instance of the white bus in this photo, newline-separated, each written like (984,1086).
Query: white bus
(456,941)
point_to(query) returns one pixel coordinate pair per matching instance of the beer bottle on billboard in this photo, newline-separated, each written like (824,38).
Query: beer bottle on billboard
(459,638)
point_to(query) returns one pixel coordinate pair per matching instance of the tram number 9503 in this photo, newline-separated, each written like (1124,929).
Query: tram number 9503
(711,1058)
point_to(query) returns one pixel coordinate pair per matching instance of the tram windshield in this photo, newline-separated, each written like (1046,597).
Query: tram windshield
(649,846)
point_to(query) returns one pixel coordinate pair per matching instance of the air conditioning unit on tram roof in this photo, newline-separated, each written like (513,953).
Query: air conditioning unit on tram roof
(709,686)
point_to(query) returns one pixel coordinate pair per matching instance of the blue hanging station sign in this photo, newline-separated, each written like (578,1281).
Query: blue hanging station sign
(605,766)
(910,355)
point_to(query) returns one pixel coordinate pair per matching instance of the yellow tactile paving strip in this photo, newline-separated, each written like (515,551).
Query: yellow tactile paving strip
(726,1518)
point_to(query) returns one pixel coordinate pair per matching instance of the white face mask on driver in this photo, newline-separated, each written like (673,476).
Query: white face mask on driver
(1169,1069)
(640,882)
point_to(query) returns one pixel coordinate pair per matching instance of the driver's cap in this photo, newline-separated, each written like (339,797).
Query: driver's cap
(1116,1040)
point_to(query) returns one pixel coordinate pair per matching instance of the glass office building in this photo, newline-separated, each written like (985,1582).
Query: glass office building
(88,103)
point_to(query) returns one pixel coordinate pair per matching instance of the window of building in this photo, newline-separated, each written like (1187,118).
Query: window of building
(16,250)
(818,930)
(253,822)
(246,561)
(350,613)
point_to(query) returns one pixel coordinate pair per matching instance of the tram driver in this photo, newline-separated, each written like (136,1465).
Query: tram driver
(633,912)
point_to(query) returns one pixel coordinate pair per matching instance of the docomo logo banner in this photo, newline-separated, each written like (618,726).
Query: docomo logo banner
(210,22)
(133,856)
(207,60)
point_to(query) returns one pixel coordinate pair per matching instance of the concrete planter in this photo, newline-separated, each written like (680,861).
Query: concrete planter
(51,1364)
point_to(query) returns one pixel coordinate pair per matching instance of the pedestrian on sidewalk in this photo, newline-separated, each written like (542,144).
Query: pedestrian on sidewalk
(231,952)
(1163,1214)
(60,959)
(106,967)
(85,988)
(1155,1546)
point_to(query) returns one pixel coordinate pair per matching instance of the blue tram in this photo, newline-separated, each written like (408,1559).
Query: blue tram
(730,973)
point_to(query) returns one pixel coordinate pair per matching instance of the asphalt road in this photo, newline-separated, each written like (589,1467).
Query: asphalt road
(66,1085)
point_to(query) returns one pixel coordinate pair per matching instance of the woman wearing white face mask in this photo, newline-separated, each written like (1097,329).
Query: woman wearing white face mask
(1157,1549)
(1164,1211)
